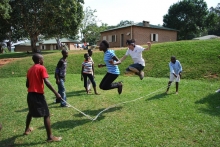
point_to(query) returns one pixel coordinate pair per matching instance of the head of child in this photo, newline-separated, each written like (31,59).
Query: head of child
(173,59)
(104,45)
(38,59)
(87,57)
(90,52)
(131,44)
(64,53)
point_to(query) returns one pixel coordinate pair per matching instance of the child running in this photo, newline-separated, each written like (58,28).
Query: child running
(88,71)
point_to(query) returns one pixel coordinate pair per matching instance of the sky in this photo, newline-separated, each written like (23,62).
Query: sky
(113,11)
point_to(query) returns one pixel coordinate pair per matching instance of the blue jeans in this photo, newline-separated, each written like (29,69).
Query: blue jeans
(62,92)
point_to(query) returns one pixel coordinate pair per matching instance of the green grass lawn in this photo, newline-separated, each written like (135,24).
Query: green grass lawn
(148,118)
(190,118)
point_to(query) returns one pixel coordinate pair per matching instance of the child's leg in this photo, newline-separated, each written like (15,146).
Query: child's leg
(91,78)
(28,121)
(85,82)
(168,87)
(177,86)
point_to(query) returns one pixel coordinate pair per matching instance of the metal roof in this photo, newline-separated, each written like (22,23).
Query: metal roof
(140,24)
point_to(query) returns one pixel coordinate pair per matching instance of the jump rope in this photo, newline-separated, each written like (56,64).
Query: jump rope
(112,106)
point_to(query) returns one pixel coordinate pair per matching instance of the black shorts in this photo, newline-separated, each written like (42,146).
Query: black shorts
(37,105)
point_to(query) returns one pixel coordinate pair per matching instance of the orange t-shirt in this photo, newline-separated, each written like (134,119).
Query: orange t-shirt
(36,75)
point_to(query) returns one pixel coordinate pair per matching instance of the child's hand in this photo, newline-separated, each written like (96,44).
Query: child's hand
(111,62)
(99,65)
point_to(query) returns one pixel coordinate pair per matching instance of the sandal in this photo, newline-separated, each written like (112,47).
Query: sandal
(54,139)
(27,132)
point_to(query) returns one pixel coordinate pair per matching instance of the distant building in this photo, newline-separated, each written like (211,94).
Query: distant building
(142,32)
(206,37)
(50,44)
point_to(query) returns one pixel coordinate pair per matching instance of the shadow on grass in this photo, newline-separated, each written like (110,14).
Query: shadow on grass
(213,104)
(10,142)
(76,93)
(158,96)
(22,110)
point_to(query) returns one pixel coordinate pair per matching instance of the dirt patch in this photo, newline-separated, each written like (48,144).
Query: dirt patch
(6,61)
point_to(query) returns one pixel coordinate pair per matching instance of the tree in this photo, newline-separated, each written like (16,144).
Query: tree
(5,9)
(45,17)
(215,30)
(92,32)
(189,17)
(124,22)
(89,20)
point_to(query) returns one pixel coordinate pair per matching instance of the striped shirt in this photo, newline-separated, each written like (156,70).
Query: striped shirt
(87,67)
(113,69)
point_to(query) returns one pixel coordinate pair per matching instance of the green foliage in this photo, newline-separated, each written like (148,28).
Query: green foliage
(190,17)
(198,58)
(5,9)
(215,29)
(45,17)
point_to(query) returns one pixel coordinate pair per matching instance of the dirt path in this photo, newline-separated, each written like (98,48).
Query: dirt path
(6,61)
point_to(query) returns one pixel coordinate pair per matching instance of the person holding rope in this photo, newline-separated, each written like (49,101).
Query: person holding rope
(175,73)
(112,70)
(135,51)
(36,77)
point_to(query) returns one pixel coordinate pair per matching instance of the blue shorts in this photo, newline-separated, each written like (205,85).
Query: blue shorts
(139,67)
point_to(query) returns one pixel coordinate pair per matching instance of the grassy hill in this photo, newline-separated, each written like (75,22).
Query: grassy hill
(198,58)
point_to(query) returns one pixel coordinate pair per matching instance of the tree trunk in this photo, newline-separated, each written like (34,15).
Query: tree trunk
(58,43)
(34,42)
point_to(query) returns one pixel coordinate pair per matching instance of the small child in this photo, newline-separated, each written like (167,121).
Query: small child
(89,82)
(88,71)
(175,73)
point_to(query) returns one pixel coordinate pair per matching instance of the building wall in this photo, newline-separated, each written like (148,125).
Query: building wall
(142,35)
(22,48)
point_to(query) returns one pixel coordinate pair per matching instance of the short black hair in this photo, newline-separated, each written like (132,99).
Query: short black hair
(36,57)
(105,43)
(130,41)
(89,50)
(86,55)
(64,51)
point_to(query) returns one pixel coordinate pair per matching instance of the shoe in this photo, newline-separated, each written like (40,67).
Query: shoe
(54,139)
(120,87)
(57,100)
(217,91)
(65,106)
(141,75)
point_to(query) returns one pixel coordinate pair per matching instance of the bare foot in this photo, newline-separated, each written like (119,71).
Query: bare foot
(52,139)
(28,131)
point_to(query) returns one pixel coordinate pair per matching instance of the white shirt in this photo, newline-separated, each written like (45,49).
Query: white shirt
(175,67)
(136,55)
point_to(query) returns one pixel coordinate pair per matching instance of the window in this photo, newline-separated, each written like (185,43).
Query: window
(104,38)
(109,38)
(114,38)
(154,37)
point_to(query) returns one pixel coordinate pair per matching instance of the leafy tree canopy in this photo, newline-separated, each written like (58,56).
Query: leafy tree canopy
(189,17)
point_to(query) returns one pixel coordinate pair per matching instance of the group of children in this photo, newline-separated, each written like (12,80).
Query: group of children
(37,75)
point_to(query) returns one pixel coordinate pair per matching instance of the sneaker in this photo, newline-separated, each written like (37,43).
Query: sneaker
(57,100)
(54,139)
(120,87)
(217,91)
(67,106)
(141,75)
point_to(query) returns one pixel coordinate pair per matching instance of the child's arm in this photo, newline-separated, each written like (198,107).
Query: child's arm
(82,73)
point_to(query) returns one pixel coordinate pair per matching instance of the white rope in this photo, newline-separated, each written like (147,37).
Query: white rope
(112,106)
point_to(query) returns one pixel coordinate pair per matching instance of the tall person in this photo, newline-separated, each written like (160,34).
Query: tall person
(36,77)
(60,74)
